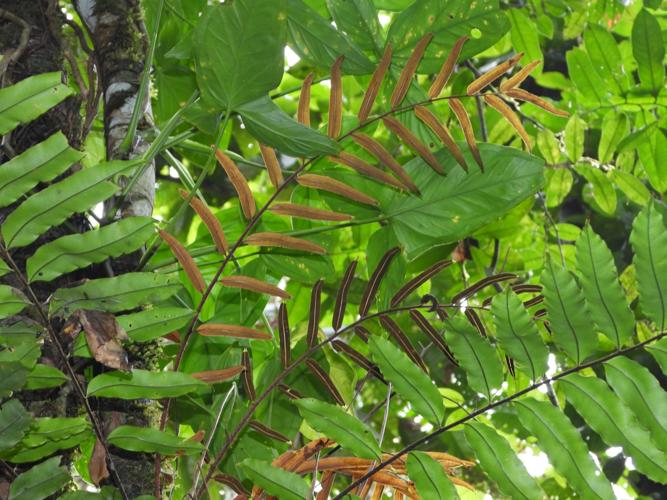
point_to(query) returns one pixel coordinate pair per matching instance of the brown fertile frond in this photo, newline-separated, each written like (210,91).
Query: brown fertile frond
(413,143)
(433,335)
(419,280)
(268,431)
(304,212)
(517,78)
(217,376)
(272,165)
(447,68)
(475,321)
(362,332)
(377,492)
(358,358)
(333,186)
(375,279)
(375,84)
(284,334)
(493,74)
(248,384)
(510,366)
(483,283)
(239,182)
(386,158)
(254,285)
(442,132)
(366,169)
(405,79)
(266,239)
(236,331)
(336,99)
(323,377)
(303,112)
(326,484)
(185,259)
(534,301)
(341,295)
(501,106)
(314,313)
(468,132)
(210,220)
(289,392)
(232,482)
(395,331)
(526,288)
(524,95)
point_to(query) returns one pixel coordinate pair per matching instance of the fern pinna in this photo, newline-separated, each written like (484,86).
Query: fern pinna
(502,338)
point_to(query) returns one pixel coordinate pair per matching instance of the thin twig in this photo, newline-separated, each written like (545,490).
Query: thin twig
(15,54)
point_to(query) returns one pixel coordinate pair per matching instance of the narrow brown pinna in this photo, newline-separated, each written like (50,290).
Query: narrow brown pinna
(443,134)
(333,186)
(419,280)
(524,95)
(266,239)
(254,285)
(405,79)
(314,313)
(364,168)
(413,143)
(236,331)
(479,285)
(499,105)
(447,68)
(432,334)
(248,384)
(358,358)
(517,78)
(475,321)
(326,483)
(311,213)
(375,84)
(493,74)
(386,158)
(239,182)
(284,333)
(468,132)
(268,431)
(210,220)
(272,165)
(341,295)
(185,260)
(303,112)
(395,331)
(323,376)
(289,392)
(375,279)
(336,99)
(217,376)
(233,483)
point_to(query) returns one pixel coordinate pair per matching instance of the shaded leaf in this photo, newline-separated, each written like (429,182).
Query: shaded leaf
(40,481)
(148,440)
(143,384)
(429,477)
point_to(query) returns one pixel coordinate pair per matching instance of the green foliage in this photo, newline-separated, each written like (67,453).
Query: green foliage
(429,478)
(132,438)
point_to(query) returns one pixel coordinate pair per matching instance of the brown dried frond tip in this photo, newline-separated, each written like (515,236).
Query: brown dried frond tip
(311,213)
(524,95)
(443,134)
(409,70)
(272,165)
(468,132)
(267,239)
(333,186)
(364,168)
(375,84)
(499,105)
(493,74)
(447,68)
(336,99)
(254,285)
(186,261)
(236,331)
(517,78)
(303,112)
(210,220)
(239,182)
(413,143)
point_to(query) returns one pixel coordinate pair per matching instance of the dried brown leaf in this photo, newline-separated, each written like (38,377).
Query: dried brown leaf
(517,78)
(419,280)
(248,384)
(268,431)
(375,279)
(254,285)
(375,84)
(524,95)
(266,239)
(413,143)
(386,158)
(210,220)
(447,68)
(284,334)
(323,377)
(333,186)
(364,168)
(97,465)
(217,376)
(501,106)
(336,99)
(185,259)
(239,182)
(304,212)
(378,489)
(341,296)
(395,331)
(303,112)
(326,484)
(314,313)
(493,74)
(272,165)
(104,336)
(443,134)
(408,73)
(236,331)
(468,132)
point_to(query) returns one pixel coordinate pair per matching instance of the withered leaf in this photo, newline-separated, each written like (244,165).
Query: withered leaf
(236,331)
(395,331)
(217,376)
(97,465)
(248,384)
(104,336)
(524,95)
(517,78)
(268,431)
(419,280)
(479,285)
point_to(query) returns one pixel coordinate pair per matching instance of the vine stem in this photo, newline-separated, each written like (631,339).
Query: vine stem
(490,406)
(97,428)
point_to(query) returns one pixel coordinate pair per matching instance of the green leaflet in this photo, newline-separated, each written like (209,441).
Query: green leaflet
(568,312)
(154,323)
(614,129)
(603,292)
(40,163)
(599,187)
(648,50)
(14,421)
(567,451)
(148,440)
(652,149)
(525,37)
(641,392)
(4,267)
(447,21)
(340,426)
(659,351)
(39,482)
(54,204)
(77,251)
(429,477)
(649,240)
(605,56)
(12,301)
(12,377)
(573,136)
(47,436)
(315,40)
(143,384)
(500,462)
(270,125)
(239,51)
(410,382)
(587,81)
(476,356)
(632,187)
(44,376)
(25,353)
(359,20)
(278,482)
(30,98)
(517,333)
(120,293)
(615,423)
